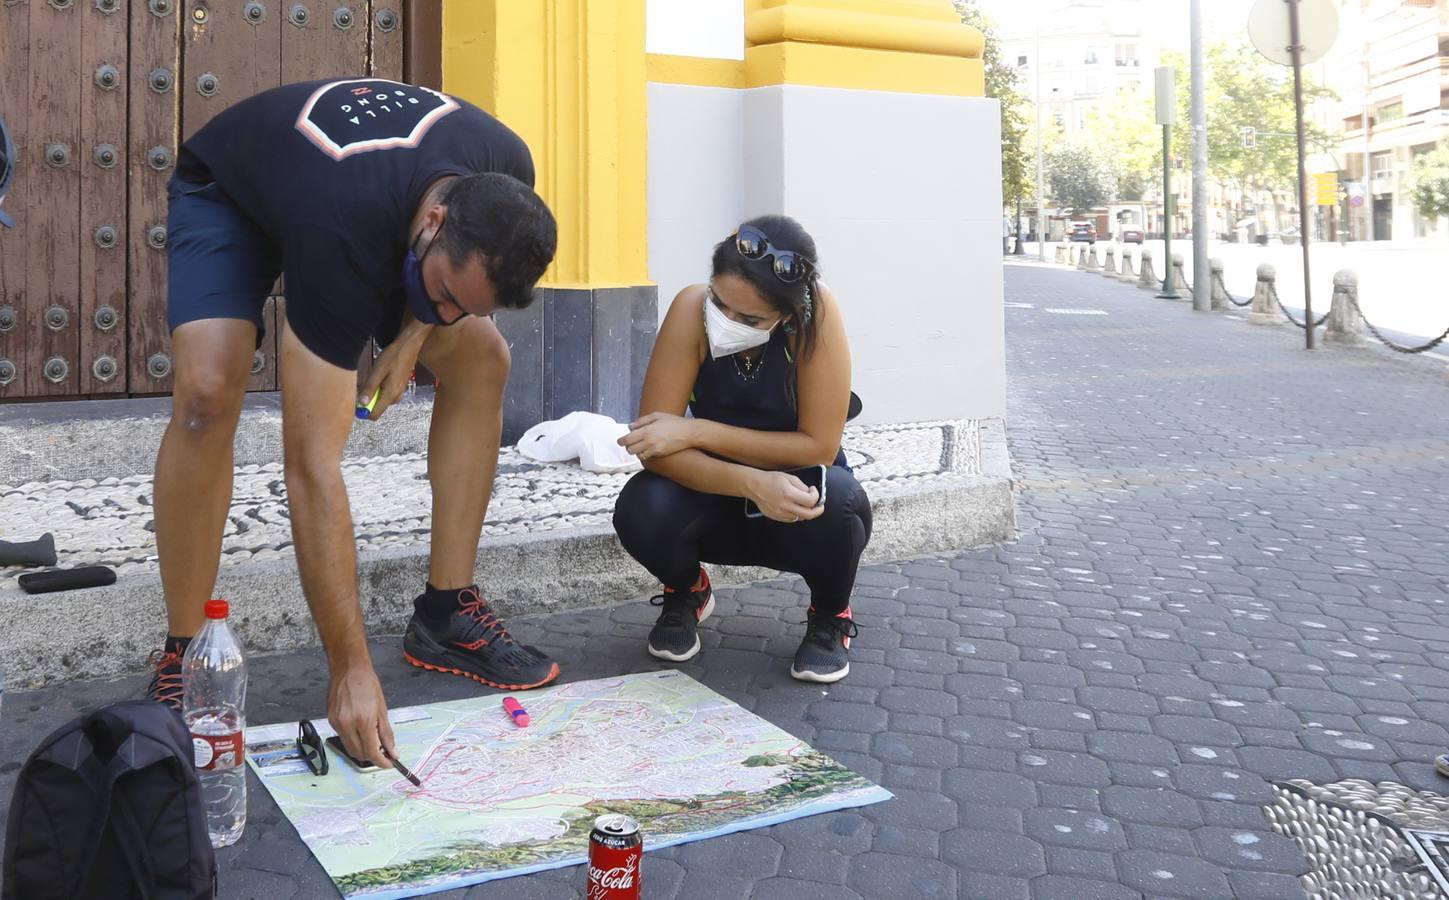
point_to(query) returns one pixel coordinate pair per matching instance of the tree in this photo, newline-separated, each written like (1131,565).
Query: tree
(1126,129)
(1244,90)
(1003,85)
(1079,179)
(1430,190)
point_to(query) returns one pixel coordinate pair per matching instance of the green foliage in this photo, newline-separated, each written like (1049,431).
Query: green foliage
(1080,178)
(1126,132)
(1244,90)
(1003,85)
(1430,190)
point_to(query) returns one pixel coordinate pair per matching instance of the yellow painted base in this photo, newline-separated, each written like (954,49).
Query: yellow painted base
(697,71)
(864,70)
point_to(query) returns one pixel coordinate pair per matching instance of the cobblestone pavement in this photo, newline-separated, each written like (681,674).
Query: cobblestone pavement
(1230,571)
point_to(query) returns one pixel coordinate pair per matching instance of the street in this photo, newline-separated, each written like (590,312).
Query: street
(1403,286)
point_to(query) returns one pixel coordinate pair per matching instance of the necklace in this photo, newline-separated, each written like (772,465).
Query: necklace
(750,370)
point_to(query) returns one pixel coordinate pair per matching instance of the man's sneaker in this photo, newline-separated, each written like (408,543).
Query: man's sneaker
(165,686)
(822,654)
(475,644)
(675,636)
(1441,765)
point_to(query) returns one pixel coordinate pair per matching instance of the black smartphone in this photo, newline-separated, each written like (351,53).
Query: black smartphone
(360,765)
(812,476)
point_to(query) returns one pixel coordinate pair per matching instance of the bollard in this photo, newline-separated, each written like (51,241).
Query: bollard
(1345,323)
(1092,265)
(1109,263)
(1146,278)
(1265,311)
(1081,257)
(1126,273)
(1179,278)
(1221,299)
(1060,256)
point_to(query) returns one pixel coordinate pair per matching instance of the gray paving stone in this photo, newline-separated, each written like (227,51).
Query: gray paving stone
(1075,828)
(1081,863)
(993,853)
(1159,874)
(888,875)
(1067,887)
(784,888)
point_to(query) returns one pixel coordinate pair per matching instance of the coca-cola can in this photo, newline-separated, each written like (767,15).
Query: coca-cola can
(616,853)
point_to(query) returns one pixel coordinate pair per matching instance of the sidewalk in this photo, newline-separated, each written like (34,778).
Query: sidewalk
(548,543)
(1230,571)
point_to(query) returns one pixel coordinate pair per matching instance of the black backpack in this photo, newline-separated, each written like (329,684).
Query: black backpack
(109,806)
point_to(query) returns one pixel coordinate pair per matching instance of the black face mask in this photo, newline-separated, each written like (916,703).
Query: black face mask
(425,309)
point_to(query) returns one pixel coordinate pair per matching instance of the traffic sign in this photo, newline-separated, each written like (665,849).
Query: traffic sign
(1268,26)
(1326,188)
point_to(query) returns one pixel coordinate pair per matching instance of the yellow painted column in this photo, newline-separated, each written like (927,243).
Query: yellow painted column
(569,76)
(909,46)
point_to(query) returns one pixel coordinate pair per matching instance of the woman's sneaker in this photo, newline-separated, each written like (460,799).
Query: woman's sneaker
(675,635)
(822,656)
(473,642)
(1441,765)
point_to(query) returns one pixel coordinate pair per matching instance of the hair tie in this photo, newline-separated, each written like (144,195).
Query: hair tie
(809,302)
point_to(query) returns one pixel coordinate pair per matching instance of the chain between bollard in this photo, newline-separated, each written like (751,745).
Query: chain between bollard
(1390,344)
(1274,288)
(1218,279)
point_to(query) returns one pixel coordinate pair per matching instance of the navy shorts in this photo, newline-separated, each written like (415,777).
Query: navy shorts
(220,264)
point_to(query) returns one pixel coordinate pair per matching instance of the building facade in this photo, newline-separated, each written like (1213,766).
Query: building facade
(1090,51)
(1390,70)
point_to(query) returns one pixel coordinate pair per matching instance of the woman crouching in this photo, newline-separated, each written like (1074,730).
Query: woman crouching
(756,476)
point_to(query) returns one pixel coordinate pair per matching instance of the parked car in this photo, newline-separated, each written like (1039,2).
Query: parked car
(1131,235)
(1083,231)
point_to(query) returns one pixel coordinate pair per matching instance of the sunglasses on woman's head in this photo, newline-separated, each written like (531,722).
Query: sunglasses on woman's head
(751,243)
(311,747)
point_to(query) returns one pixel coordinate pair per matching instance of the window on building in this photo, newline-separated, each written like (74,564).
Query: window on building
(1091,57)
(1127,55)
(1389,112)
(1383,169)
(1021,61)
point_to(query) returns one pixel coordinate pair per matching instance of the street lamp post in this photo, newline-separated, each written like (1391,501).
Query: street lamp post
(1296,46)
(1166,114)
(1041,219)
(1202,291)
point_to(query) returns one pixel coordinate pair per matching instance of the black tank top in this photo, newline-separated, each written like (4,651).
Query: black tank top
(757,398)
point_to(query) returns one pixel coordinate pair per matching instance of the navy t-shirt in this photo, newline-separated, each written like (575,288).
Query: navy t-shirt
(333,171)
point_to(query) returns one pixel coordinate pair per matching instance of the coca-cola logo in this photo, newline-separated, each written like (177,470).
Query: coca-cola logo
(617,878)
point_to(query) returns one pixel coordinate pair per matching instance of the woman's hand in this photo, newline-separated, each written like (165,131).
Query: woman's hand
(785,498)
(390,374)
(658,434)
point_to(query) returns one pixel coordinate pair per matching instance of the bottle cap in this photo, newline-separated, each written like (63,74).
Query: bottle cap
(217,609)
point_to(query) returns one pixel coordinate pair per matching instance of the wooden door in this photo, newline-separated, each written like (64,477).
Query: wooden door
(97,95)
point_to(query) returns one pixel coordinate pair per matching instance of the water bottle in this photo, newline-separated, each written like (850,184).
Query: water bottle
(213,703)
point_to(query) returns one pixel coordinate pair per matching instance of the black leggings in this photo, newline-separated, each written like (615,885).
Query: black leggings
(671,529)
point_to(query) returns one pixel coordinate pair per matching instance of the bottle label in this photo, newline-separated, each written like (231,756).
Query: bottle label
(217,751)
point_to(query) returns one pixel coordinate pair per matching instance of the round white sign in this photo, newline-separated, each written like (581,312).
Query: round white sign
(1271,31)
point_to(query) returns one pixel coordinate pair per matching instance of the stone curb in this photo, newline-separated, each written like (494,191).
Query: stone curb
(102,632)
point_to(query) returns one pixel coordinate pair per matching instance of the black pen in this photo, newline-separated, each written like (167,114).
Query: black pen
(402,769)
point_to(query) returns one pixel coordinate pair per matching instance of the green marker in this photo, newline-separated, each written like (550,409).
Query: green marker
(363,411)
